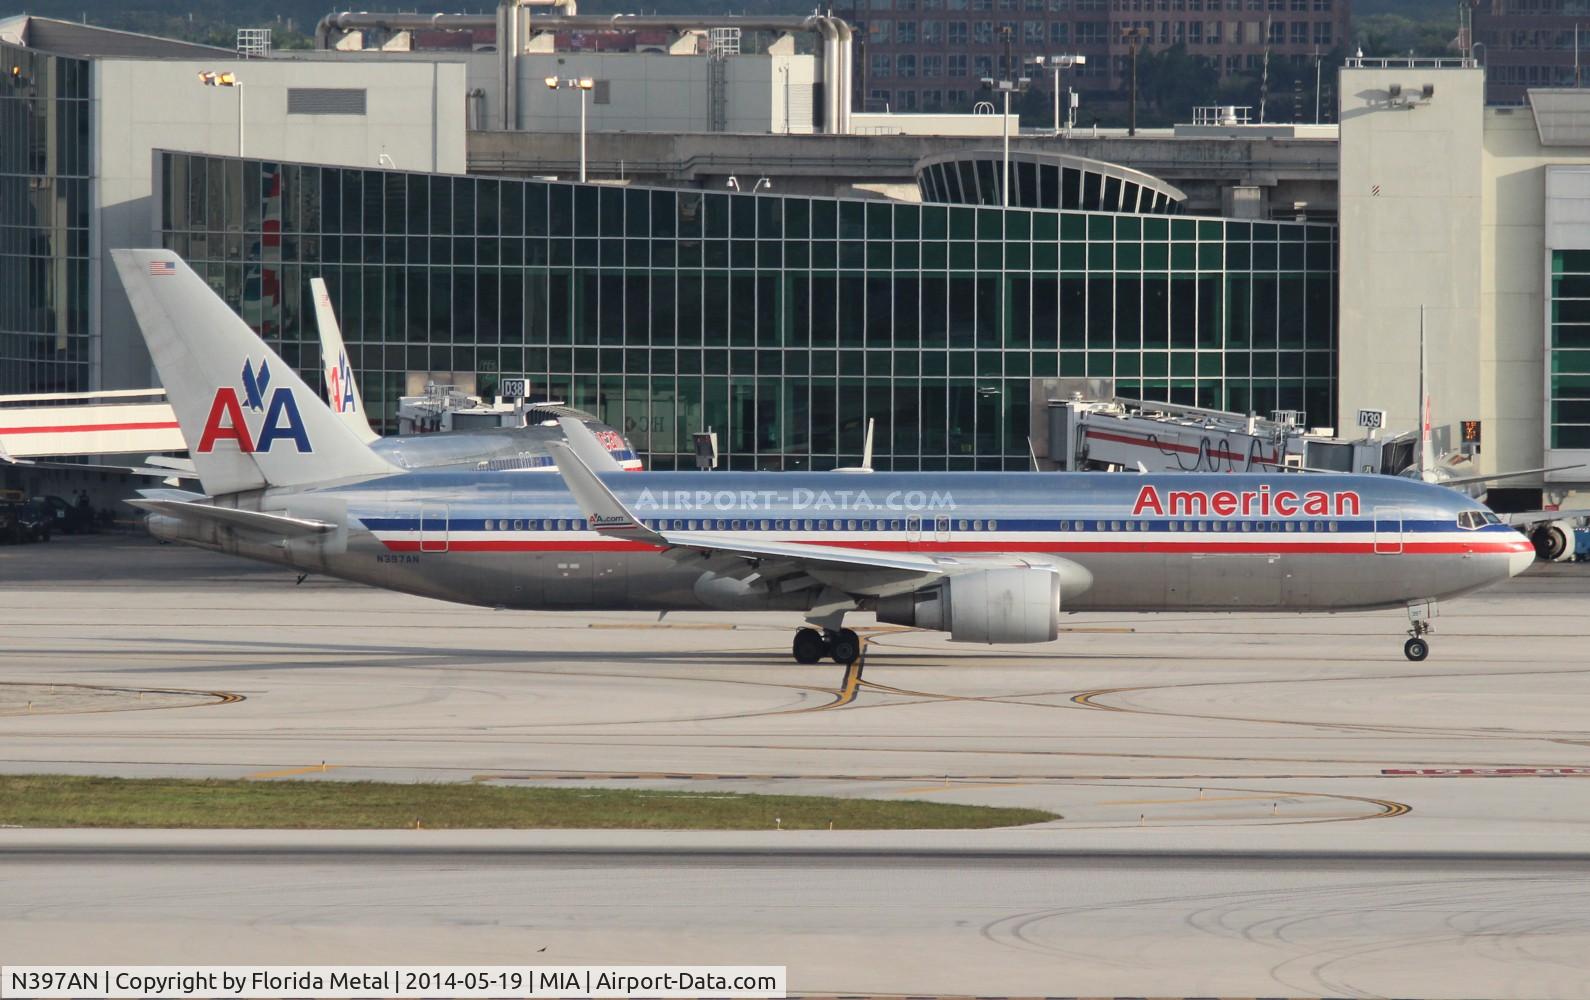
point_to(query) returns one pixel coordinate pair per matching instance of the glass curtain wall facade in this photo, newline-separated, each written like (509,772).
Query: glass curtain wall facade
(1568,403)
(1039,180)
(781,323)
(44,222)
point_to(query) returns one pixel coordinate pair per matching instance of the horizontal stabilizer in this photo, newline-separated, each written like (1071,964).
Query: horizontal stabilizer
(279,525)
(182,496)
(153,470)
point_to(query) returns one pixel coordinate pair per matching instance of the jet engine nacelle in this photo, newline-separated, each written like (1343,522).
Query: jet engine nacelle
(1554,541)
(993,605)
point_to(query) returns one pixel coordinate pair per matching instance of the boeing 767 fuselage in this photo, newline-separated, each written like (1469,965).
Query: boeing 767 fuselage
(986,557)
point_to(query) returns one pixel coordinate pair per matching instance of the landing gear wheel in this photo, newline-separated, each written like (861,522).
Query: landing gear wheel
(809,646)
(1419,615)
(844,647)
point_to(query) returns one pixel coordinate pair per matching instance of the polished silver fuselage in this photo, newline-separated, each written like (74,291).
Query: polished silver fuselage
(520,449)
(518,540)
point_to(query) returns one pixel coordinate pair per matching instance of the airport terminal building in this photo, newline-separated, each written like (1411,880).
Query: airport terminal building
(782,323)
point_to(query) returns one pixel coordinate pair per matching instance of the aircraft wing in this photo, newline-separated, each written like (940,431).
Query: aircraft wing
(850,569)
(279,525)
(833,555)
(1528,518)
(590,451)
(1515,474)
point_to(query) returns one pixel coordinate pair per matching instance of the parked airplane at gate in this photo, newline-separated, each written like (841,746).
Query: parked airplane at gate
(986,557)
(499,448)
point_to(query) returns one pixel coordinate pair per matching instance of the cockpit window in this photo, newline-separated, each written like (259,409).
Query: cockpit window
(1472,519)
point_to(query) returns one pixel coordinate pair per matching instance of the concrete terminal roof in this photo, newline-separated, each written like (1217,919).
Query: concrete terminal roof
(69,38)
(1561,116)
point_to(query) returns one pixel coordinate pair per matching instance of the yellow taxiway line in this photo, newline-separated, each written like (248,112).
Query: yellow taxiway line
(289,772)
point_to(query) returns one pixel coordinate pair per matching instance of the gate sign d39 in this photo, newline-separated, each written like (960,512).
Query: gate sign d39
(1470,436)
(1372,419)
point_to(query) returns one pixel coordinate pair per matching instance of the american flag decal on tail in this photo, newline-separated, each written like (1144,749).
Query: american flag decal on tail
(159,268)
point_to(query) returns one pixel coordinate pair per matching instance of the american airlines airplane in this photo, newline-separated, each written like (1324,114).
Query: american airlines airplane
(985,557)
(499,448)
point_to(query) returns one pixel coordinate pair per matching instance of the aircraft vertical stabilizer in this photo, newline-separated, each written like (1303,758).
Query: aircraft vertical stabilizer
(248,418)
(342,389)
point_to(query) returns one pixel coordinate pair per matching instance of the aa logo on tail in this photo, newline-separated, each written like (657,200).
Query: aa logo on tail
(339,385)
(227,422)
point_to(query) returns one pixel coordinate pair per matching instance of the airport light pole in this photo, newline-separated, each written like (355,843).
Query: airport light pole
(584,85)
(1006,88)
(1132,36)
(1058,64)
(210,79)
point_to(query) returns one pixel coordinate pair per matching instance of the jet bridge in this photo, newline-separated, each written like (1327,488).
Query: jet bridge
(1083,433)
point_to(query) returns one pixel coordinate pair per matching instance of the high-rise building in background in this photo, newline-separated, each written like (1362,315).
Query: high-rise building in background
(1530,43)
(926,55)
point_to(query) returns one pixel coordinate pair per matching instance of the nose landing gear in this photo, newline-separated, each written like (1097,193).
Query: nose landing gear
(842,645)
(1419,615)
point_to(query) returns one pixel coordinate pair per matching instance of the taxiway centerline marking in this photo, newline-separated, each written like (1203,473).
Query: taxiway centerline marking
(289,772)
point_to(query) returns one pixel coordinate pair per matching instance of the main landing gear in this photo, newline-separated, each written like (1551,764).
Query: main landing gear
(1417,648)
(842,645)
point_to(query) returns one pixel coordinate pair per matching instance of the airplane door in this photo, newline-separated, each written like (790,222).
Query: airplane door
(913,529)
(1388,530)
(433,529)
(941,529)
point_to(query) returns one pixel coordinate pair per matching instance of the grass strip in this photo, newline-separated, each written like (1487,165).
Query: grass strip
(49,800)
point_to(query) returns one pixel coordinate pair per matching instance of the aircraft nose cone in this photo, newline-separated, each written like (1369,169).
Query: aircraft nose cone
(1520,559)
